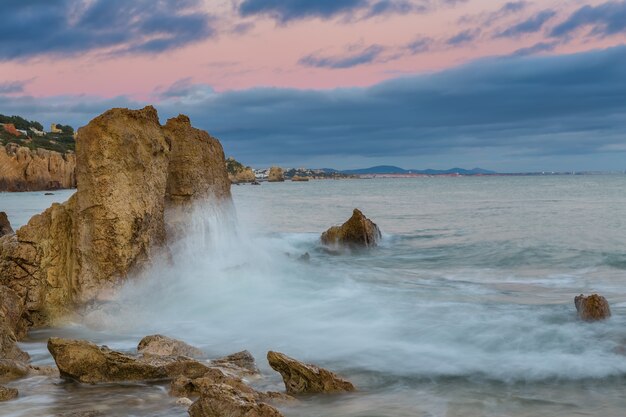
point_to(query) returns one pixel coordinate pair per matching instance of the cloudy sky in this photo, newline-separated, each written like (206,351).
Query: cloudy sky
(504,85)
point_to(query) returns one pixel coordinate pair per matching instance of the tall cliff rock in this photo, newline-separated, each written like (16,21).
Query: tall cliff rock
(23,169)
(129,168)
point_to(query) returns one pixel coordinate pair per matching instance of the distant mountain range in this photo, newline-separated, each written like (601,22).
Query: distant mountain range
(390,169)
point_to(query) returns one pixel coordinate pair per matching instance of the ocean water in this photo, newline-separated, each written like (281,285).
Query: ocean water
(465,309)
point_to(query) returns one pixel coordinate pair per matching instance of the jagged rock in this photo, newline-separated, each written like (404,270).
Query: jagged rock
(301,378)
(275,175)
(592,308)
(241,362)
(192,387)
(220,400)
(357,231)
(86,362)
(11,369)
(5,225)
(23,169)
(166,346)
(114,224)
(7,394)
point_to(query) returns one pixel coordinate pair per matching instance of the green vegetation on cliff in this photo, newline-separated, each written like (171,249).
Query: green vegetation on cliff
(61,141)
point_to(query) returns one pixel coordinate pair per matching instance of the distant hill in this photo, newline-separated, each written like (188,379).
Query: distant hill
(390,169)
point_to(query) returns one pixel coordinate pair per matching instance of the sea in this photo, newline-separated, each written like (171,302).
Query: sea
(465,309)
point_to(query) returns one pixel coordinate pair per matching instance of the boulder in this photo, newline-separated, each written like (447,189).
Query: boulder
(219,400)
(592,308)
(5,225)
(166,346)
(275,175)
(358,231)
(241,363)
(128,169)
(86,362)
(23,169)
(302,378)
(11,369)
(193,387)
(297,178)
(245,175)
(7,394)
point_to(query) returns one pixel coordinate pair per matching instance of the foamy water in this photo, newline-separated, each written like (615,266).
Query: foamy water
(466,308)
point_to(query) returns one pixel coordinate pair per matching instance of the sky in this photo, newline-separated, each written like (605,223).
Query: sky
(504,85)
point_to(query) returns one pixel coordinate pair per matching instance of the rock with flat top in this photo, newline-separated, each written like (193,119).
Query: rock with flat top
(592,308)
(166,346)
(302,378)
(358,231)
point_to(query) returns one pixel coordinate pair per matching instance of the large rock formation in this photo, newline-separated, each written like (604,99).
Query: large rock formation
(592,308)
(358,231)
(275,175)
(129,168)
(86,362)
(23,169)
(301,378)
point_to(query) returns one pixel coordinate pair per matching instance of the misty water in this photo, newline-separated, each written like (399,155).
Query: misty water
(465,309)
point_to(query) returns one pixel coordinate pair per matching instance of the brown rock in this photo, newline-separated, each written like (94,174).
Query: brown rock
(358,231)
(241,362)
(23,169)
(7,394)
(245,175)
(275,175)
(192,387)
(166,346)
(86,362)
(303,378)
(11,369)
(592,308)
(220,400)
(298,178)
(5,225)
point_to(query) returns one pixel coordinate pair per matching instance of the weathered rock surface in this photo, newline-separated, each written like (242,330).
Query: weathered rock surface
(192,387)
(5,225)
(241,363)
(358,231)
(11,369)
(166,346)
(89,363)
(592,308)
(245,175)
(11,308)
(220,400)
(301,378)
(115,223)
(275,175)
(297,178)
(7,394)
(23,169)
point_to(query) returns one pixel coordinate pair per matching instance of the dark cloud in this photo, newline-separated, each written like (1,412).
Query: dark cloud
(603,20)
(488,18)
(68,27)
(419,45)
(463,37)
(536,48)
(530,25)
(11,87)
(289,10)
(518,109)
(353,58)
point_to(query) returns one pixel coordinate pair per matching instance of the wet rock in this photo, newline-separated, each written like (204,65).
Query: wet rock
(48,194)
(275,175)
(5,225)
(90,413)
(192,387)
(305,257)
(303,378)
(241,362)
(11,369)
(297,178)
(89,363)
(184,402)
(592,308)
(358,231)
(220,400)
(11,309)
(166,346)
(7,394)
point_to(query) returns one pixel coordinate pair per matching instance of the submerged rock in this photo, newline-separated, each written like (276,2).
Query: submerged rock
(5,225)
(220,400)
(275,175)
(358,231)
(166,346)
(7,394)
(301,378)
(592,308)
(89,363)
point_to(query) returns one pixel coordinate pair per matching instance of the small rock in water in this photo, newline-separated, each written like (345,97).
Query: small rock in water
(166,346)
(301,378)
(7,394)
(592,308)
(48,193)
(358,231)
(220,400)
(90,413)
(241,362)
(305,257)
